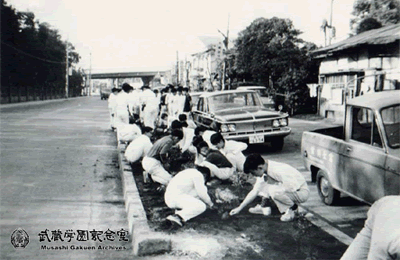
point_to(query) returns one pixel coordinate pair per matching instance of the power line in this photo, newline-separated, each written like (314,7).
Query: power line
(32,56)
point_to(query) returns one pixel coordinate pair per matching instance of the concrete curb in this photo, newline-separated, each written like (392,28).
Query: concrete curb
(144,240)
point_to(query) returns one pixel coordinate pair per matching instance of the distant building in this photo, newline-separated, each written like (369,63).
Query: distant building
(366,63)
(206,66)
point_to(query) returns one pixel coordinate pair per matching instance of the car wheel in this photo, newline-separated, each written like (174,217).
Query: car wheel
(277,143)
(328,194)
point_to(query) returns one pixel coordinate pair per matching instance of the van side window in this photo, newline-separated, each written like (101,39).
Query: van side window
(364,127)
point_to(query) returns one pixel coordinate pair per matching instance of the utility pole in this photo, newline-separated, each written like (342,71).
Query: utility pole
(226,43)
(331,34)
(66,69)
(90,76)
(177,68)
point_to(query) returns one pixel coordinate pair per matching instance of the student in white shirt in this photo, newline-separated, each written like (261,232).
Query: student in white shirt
(134,102)
(139,147)
(188,134)
(232,150)
(172,106)
(122,105)
(285,185)
(187,193)
(112,104)
(380,236)
(150,107)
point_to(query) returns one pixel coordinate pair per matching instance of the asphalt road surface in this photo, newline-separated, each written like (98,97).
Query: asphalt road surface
(59,181)
(59,176)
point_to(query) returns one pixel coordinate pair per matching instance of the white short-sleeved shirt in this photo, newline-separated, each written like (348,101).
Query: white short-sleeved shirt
(283,175)
(138,148)
(188,182)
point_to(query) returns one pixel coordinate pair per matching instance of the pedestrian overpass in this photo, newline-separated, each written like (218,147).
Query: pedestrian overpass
(146,76)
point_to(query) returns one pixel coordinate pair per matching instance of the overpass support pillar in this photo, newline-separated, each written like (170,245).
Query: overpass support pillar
(146,80)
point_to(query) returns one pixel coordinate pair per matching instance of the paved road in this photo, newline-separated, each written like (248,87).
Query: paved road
(59,173)
(344,220)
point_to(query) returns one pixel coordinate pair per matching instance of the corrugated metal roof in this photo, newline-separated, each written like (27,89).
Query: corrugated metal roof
(384,35)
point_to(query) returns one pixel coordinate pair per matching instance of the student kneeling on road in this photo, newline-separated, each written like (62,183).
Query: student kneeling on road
(231,149)
(285,185)
(218,164)
(187,193)
(153,162)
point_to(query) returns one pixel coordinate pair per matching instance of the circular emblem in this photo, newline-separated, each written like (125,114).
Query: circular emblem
(19,238)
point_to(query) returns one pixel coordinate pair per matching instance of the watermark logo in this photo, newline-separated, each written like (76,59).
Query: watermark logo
(19,238)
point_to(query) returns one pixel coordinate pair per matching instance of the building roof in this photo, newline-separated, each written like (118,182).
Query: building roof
(384,35)
(377,100)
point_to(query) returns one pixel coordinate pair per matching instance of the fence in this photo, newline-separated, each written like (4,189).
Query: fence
(31,93)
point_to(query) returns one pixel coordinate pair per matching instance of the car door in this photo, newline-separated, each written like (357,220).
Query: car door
(207,116)
(392,178)
(197,113)
(390,117)
(363,156)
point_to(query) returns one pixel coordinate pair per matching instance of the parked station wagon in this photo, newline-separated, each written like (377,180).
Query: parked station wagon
(240,115)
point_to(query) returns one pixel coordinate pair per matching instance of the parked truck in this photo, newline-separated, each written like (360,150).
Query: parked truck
(361,158)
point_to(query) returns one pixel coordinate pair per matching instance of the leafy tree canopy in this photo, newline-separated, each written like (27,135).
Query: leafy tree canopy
(270,50)
(372,14)
(33,54)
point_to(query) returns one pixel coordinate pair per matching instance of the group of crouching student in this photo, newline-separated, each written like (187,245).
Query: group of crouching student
(184,161)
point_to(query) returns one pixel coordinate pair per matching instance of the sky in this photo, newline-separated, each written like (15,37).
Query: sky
(126,35)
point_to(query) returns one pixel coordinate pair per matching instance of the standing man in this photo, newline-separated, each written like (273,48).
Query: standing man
(280,182)
(122,105)
(187,106)
(172,106)
(150,107)
(112,104)
(158,155)
(232,150)
(180,101)
(134,102)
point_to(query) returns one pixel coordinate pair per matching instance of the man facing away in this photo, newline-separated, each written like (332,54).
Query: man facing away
(122,105)
(153,162)
(187,193)
(280,182)
(112,103)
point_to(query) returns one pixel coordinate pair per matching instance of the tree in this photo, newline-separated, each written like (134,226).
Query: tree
(270,50)
(368,24)
(368,14)
(33,56)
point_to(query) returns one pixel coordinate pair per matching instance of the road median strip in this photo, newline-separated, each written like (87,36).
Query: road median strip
(144,240)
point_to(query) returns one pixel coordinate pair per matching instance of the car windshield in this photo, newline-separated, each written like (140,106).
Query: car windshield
(234,101)
(391,122)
